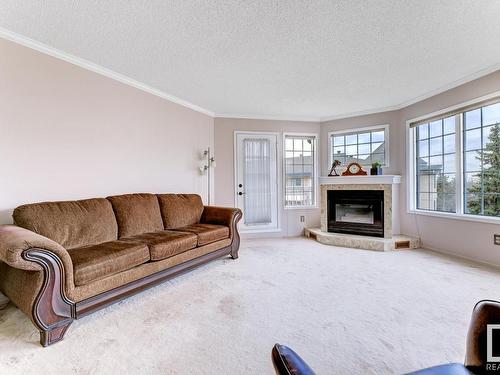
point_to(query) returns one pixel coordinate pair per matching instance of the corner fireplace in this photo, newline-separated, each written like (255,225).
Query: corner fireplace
(358,212)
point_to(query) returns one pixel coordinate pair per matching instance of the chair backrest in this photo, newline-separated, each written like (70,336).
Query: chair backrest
(485,312)
(287,362)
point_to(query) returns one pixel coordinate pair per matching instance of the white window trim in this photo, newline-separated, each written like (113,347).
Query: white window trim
(316,171)
(411,198)
(384,127)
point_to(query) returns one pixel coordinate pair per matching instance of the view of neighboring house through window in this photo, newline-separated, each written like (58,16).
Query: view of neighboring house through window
(440,169)
(364,146)
(436,165)
(299,170)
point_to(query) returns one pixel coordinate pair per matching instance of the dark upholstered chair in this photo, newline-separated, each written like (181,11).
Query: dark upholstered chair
(485,312)
(287,362)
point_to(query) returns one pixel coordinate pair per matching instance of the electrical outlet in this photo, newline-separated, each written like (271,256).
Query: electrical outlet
(303,218)
(496,239)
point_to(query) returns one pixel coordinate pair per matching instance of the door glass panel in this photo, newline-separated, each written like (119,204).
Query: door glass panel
(257,181)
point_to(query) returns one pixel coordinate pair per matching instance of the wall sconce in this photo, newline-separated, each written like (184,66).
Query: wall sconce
(209,162)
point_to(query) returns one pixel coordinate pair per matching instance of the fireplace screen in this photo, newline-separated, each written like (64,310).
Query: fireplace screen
(355,213)
(359,212)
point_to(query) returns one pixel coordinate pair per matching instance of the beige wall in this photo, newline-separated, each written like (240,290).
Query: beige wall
(384,118)
(224,173)
(464,238)
(68,133)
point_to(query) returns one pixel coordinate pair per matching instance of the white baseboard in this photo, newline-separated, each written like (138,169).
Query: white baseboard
(464,257)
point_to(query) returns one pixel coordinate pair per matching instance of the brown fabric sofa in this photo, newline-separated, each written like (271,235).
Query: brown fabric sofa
(64,260)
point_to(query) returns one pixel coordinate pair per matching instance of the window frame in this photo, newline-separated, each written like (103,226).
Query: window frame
(411,185)
(458,161)
(315,179)
(384,127)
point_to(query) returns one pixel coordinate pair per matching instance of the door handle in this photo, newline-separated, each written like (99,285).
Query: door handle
(240,193)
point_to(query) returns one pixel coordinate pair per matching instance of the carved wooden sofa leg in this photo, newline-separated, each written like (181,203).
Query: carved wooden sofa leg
(52,311)
(234,253)
(4,301)
(235,244)
(54,335)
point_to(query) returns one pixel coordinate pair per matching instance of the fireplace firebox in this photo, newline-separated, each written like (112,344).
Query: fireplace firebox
(356,212)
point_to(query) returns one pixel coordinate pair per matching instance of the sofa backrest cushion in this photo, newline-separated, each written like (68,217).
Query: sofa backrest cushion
(179,210)
(71,223)
(136,214)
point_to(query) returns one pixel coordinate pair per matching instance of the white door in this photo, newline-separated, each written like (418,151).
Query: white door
(256,185)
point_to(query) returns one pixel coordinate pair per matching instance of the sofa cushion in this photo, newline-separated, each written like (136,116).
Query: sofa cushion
(166,243)
(91,263)
(71,223)
(207,233)
(179,210)
(136,214)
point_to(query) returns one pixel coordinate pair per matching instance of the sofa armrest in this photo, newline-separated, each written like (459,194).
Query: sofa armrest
(222,216)
(38,280)
(15,241)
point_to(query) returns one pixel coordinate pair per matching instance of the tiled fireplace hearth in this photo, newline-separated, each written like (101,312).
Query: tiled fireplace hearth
(361,212)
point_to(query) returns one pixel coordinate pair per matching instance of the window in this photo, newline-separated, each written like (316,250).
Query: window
(300,170)
(436,165)
(482,161)
(456,161)
(364,146)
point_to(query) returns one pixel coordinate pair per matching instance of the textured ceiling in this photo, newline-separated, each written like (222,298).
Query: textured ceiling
(314,59)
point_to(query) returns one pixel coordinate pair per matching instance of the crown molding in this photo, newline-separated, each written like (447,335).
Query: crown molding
(360,113)
(85,64)
(430,94)
(469,78)
(268,117)
(43,48)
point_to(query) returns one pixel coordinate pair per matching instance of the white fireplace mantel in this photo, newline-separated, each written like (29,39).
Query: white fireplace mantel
(386,179)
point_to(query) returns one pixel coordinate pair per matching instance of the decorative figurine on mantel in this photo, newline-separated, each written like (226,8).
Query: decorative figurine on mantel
(333,172)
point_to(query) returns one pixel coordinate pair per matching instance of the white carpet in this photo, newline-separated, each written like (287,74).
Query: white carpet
(345,311)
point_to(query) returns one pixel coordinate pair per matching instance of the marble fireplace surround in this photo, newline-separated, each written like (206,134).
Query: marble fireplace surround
(388,183)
